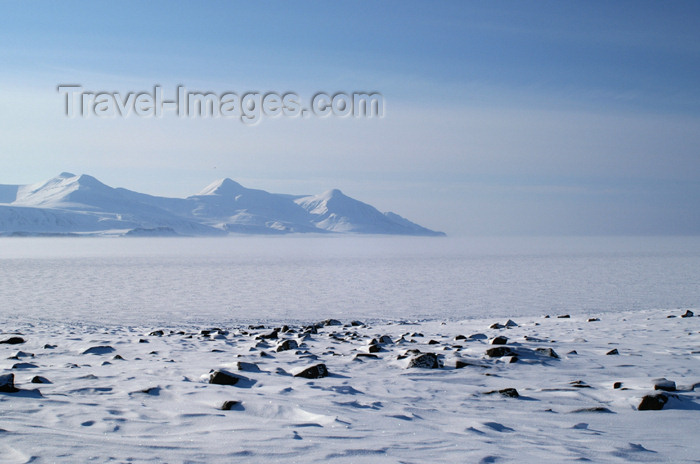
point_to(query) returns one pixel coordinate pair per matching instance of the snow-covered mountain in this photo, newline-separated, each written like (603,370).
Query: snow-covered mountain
(82,205)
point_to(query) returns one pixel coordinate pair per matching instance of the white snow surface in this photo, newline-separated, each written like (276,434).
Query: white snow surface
(155,404)
(64,296)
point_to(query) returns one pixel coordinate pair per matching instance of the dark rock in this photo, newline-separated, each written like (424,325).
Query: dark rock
(547,352)
(219,377)
(40,379)
(597,409)
(664,385)
(425,361)
(228,405)
(547,316)
(328,322)
(496,325)
(509,392)
(688,313)
(579,384)
(24,366)
(366,355)
(478,336)
(156,333)
(105,349)
(374,348)
(612,352)
(357,323)
(247,367)
(460,337)
(21,354)
(13,341)
(269,336)
(153,391)
(563,316)
(385,340)
(314,372)
(49,346)
(593,319)
(572,352)
(510,323)
(653,402)
(117,357)
(143,340)
(499,352)
(514,359)
(617,385)
(433,342)
(499,340)
(7,383)
(287,345)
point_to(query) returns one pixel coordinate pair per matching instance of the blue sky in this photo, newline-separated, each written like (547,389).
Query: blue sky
(501,117)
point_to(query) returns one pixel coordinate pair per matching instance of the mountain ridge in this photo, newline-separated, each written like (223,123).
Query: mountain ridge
(70,204)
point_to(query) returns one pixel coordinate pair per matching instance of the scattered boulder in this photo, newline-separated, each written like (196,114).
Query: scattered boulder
(105,349)
(13,341)
(510,323)
(269,336)
(612,352)
(460,337)
(328,322)
(496,325)
(509,392)
(501,340)
(366,356)
(357,323)
(48,346)
(40,379)
(314,372)
(654,402)
(564,316)
(220,377)
(374,348)
(247,366)
(593,319)
(228,405)
(7,383)
(425,361)
(597,409)
(499,352)
(547,352)
(617,385)
(156,333)
(433,342)
(664,385)
(688,313)
(579,384)
(21,354)
(385,340)
(287,345)
(478,336)
(24,366)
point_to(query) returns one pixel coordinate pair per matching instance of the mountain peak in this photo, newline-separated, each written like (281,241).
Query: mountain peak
(65,175)
(223,187)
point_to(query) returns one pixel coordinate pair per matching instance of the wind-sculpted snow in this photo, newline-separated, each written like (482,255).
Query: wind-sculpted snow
(71,204)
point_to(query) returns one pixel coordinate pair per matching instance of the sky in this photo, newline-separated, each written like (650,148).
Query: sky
(500,118)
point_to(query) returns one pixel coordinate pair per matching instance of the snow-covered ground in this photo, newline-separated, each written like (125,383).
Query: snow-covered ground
(89,311)
(130,394)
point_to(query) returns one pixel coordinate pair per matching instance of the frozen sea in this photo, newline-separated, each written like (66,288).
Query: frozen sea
(300,278)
